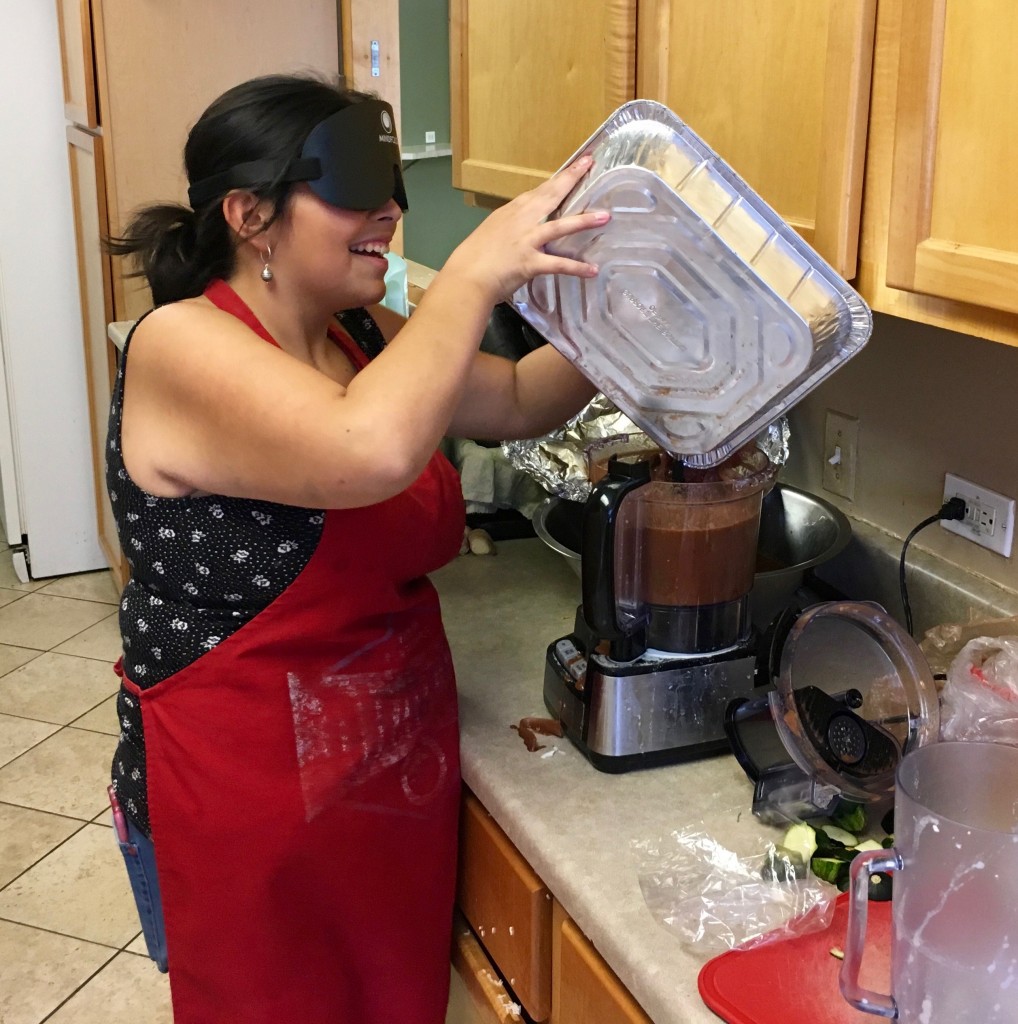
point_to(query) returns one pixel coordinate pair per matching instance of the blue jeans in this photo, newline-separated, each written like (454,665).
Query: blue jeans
(140,858)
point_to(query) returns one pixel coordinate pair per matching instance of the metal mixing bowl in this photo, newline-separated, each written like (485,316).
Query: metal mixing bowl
(798,531)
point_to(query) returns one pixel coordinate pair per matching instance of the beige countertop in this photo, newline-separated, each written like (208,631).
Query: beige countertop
(573,824)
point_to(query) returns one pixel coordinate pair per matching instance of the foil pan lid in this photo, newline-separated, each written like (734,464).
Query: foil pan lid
(710,317)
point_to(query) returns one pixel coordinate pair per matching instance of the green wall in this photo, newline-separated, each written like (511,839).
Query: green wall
(438,219)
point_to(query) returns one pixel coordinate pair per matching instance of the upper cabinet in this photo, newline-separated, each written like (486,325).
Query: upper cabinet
(883,132)
(780,89)
(530,80)
(953,212)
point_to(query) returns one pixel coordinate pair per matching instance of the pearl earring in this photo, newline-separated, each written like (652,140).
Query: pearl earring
(267,274)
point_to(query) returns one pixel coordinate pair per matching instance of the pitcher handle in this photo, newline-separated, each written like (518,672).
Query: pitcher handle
(864,865)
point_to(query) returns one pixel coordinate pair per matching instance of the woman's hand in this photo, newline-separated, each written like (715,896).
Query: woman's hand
(508,249)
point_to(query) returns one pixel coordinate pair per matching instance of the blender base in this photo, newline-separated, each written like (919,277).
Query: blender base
(624,716)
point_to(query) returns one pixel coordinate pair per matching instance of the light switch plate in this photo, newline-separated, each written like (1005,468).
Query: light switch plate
(841,451)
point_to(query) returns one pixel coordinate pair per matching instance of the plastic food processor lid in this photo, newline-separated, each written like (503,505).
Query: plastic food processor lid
(853,695)
(710,316)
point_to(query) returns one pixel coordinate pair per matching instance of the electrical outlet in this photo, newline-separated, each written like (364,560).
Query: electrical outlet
(429,138)
(841,450)
(989,517)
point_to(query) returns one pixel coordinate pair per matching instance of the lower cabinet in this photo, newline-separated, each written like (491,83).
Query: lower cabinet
(517,956)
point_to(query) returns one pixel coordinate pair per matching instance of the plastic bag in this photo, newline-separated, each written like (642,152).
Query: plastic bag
(980,698)
(715,899)
(942,644)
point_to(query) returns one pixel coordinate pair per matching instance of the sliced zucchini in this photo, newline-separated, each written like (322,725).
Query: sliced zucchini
(849,816)
(782,865)
(869,844)
(839,835)
(829,869)
(801,840)
(880,887)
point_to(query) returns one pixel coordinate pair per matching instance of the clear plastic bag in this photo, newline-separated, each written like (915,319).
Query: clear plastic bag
(980,698)
(715,899)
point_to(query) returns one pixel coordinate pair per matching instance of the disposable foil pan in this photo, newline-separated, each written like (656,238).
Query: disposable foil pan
(710,316)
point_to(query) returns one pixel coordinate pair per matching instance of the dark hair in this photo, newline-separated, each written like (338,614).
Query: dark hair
(179,250)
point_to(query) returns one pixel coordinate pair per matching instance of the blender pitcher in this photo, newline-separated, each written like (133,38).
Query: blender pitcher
(954,957)
(668,565)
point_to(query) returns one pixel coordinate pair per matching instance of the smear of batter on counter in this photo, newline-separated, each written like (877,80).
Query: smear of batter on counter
(529,728)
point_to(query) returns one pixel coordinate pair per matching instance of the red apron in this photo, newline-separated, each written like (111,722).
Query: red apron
(303,781)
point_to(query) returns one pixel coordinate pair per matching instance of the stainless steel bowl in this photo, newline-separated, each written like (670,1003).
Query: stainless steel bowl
(798,531)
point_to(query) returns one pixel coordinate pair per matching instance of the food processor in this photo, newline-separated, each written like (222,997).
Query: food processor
(664,640)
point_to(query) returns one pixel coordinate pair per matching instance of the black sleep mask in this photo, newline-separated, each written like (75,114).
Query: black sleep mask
(351,160)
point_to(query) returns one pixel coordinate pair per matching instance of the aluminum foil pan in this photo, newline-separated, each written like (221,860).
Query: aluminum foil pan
(711,316)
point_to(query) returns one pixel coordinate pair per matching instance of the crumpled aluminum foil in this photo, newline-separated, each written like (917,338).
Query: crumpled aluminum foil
(558,461)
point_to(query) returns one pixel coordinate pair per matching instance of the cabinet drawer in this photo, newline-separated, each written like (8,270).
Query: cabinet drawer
(507,906)
(477,994)
(585,987)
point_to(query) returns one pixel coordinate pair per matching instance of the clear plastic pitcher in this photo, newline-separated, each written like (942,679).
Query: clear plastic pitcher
(954,956)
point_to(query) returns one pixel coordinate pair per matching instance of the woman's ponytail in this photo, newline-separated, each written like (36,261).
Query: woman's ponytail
(177,250)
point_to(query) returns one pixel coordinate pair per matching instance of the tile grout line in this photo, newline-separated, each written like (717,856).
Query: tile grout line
(102,967)
(36,863)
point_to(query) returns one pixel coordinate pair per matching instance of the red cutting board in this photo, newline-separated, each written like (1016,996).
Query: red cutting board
(797,979)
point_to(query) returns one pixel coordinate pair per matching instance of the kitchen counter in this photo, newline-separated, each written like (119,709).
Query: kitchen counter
(573,824)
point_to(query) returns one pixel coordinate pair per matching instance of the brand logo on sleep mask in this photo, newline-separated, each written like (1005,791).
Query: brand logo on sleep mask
(344,160)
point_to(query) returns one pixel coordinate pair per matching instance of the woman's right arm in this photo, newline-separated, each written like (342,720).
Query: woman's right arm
(209,407)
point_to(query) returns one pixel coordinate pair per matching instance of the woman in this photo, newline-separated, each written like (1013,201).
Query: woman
(289,749)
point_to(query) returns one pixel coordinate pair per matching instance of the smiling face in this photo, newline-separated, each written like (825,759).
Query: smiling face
(331,252)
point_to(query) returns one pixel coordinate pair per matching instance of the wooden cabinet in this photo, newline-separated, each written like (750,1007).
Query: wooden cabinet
(507,906)
(953,212)
(584,987)
(780,89)
(529,81)
(884,132)
(781,93)
(517,947)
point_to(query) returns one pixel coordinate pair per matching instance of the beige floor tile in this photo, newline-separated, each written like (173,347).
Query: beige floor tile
(86,586)
(57,688)
(138,946)
(10,581)
(128,989)
(40,621)
(26,836)
(10,596)
(20,734)
(39,970)
(14,657)
(101,641)
(65,774)
(81,889)
(102,718)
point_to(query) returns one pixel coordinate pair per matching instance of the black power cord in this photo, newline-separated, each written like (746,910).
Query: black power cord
(952,509)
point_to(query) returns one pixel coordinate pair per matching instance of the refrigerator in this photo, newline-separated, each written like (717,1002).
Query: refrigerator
(47,484)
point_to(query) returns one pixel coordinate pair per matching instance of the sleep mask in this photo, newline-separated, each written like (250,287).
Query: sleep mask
(351,160)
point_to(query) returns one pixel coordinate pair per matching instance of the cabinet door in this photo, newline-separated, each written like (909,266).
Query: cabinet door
(953,227)
(85,155)
(780,89)
(530,81)
(75,18)
(584,988)
(159,65)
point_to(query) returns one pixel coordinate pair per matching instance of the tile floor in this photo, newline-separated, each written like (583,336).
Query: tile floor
(71,950)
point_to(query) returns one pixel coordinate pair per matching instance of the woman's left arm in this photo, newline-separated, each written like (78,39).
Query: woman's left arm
(504,400)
